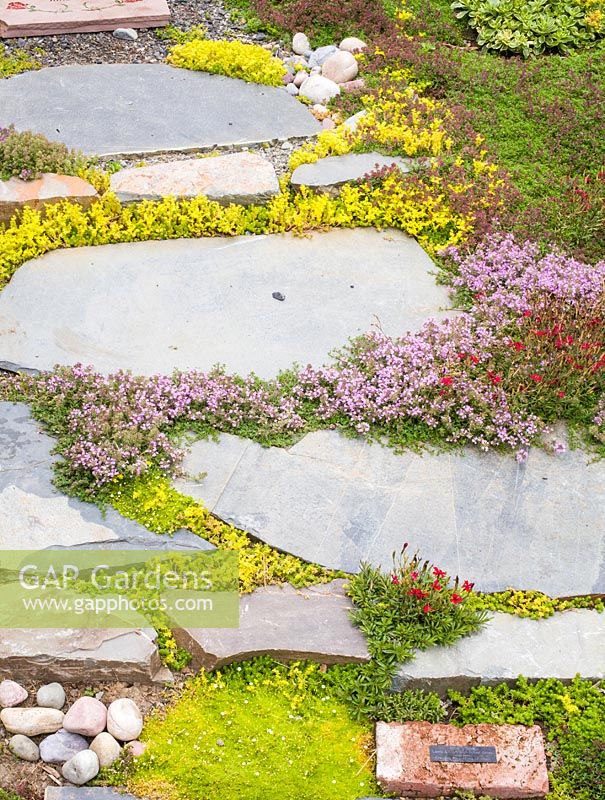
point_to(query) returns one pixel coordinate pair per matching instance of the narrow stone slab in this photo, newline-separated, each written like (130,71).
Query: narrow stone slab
(148,108)
(45,17)
(285,623)
(562,646)
(155,306)
(34,515)
(85,793)
(339,501)
(334,171)
(49,188)
(242,178)
(80,655)
(404,765)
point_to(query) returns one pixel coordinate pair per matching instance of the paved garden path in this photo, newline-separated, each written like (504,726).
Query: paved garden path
(188,304)
(116,109)
(338,501)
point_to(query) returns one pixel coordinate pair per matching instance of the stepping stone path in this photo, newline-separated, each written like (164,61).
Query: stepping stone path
(406,766)
(155,306)
(49,188)
(81,655)
(561,646)
(44,17)
(147,108)
(334,171)
(483,516)
(241,178)
(284,623)
(36,516)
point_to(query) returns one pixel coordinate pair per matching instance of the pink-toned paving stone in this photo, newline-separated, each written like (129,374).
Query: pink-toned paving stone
(45,17)
(49,188)
(235,178)
(404,766)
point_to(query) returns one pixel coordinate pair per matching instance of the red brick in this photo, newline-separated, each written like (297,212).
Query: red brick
(404,766)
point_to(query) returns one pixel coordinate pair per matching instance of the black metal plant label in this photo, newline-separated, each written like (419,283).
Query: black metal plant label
(462,755)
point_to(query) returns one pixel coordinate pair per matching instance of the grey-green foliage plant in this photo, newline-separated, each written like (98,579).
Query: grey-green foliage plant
(531,27)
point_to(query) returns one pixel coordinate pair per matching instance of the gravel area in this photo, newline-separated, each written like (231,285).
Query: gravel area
(104,48)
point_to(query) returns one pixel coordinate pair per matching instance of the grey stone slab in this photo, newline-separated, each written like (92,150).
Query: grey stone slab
(155,306)
(117,109)
(562,646)
(285,623)
(34,515)
(334,171)
(79,656)
(336,501)
(85,793)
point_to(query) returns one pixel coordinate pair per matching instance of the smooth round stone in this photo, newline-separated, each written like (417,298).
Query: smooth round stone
(300,77)
(87,717)
(353,86)
(318,89)
(31,721)
(328,123)
(52,695)
(80,769)
(292,89)
(319,56)
(135,748)
(11,694)
(126,34)
(61,746)
(23,747)
(287,78)
(107,749)
(124,720)
(352,44)
(341,67)
(300,44)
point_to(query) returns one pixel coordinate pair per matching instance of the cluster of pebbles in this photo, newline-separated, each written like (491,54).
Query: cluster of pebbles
(322,74)
(81,740)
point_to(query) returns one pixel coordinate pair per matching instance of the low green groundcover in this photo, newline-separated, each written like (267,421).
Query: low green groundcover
(257,730)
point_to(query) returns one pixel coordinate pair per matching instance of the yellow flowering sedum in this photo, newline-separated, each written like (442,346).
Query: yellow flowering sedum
(250,62)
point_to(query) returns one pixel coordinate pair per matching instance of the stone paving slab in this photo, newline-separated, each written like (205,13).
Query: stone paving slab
(562,646)
(338,501)
(404,766)
(285,623)
(119,109)
(334,171)
(152,307)
(85,793)
(241,178)
(34,515)
(49,188)
(90,655)
(45,17)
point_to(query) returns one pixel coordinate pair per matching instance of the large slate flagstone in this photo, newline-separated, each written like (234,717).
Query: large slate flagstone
(190,303)
(91,655)
(34,515)
(44,17)
(115,109)
(562,646)
(285,623)
(482,516)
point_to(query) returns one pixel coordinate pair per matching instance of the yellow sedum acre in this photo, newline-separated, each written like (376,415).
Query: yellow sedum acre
(250,62)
